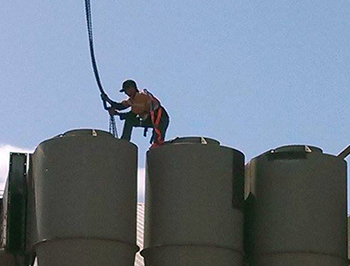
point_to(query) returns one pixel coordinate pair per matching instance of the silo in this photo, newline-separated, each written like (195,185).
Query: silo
(85,190)
(194,197)
(296,213)
(6,259)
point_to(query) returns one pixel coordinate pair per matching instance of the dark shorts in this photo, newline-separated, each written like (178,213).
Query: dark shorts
(131,120)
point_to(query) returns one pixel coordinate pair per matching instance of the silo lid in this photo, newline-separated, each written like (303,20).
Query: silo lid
(193,140)
(84,132)
(297,148)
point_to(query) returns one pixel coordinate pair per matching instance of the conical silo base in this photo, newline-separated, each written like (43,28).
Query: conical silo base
(301,259)
(6,259)
(82,252)
(191,255)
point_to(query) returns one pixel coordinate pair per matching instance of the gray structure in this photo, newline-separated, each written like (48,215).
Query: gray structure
(140,222)
(13,213)
(194,196)
(348,238)
(82,204)
(296,208)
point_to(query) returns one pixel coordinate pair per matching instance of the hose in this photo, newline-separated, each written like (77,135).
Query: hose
(112,124)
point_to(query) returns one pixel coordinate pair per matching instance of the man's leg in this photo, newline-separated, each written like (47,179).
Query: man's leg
(148,124)
(130,121)
(158,136)
(164,123)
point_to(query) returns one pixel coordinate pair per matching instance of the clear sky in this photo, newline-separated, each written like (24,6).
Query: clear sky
(254,75)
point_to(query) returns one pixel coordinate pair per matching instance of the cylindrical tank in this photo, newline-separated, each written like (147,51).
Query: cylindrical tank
(85,184)
(194,198)
(296,208)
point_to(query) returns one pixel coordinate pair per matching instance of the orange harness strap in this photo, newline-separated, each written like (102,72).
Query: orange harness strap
(155,122)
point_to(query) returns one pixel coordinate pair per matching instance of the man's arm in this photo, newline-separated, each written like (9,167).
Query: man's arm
(115,105)
(119,106)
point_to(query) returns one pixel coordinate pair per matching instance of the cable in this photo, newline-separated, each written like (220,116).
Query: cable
(112,124)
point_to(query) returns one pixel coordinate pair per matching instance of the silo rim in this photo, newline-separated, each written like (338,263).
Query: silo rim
(296,148)
(196,140)
(192,140)
(85,133)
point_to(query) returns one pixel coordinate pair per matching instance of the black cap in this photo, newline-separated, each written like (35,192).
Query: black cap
(128,83)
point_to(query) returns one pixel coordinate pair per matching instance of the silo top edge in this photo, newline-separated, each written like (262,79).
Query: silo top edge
(192,140)
(93,133)
(85,132)
(292,149)
(195,140)
(297,148)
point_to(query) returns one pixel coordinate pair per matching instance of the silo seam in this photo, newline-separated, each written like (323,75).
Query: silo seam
(85,238)
(193,245)
(302,252)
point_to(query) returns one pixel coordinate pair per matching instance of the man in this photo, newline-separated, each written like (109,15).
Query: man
(146,111)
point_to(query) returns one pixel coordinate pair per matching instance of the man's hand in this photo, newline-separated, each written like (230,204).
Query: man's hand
(122,116)
(104,97)
(112,111)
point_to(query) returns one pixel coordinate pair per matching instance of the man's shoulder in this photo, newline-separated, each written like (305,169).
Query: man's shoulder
(142,95)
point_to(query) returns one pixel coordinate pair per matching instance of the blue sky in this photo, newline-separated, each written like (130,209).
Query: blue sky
(251,74)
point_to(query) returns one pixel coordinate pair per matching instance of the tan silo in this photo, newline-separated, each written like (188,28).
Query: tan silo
(296,208)
(194,196)
(85,192)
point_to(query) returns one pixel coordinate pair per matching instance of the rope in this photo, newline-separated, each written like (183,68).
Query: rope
(112,124)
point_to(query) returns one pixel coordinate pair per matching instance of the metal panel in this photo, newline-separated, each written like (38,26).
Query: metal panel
(32,229)
(14,218)
(296,211)
(85,185)
(193,215)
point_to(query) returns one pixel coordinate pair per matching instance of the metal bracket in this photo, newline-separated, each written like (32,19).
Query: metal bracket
(307,149)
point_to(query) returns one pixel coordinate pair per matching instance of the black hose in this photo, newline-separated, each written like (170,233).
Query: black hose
(91,44)
(112,125)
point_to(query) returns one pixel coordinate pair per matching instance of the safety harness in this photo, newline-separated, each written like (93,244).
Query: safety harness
(156,115)
(155,122)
